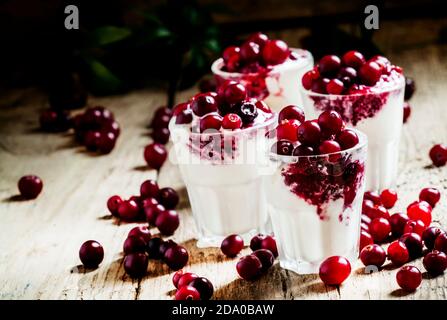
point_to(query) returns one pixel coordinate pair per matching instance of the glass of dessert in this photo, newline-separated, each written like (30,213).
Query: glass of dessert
(220,142)
(369,96)
(268,68)
(315,192)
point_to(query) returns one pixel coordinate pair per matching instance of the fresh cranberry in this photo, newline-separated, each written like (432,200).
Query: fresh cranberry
(167,222)
(152,212)
(347,72)
(261,105)
(413,242)
(204,286)
(176,257)
(162,122)
(234,93)
(430,195)
(184,117)
(435,262)
(291,112)
(282,147)
(365,219)
(287,130)
(232,245)
(91,140)
(176,277)
(308,78)
(329,65)
(140,231)
(181,107)
(347,139)
(370,72)
(353,59)
(266,257)
(388,197)
(153,248)
(54,121)
(256,242)
(155,155)
(398,253)
(128,210)
(231,121)
(106,142)
(249,51)
(160,135)
(319,85)
(269,243)
(420,211)
(364,226)
(409,278)
(248,112)
(149,189)
(187,293)
(275,52)
(416,226)
(231,53)
(309,133)
(381,61)
(186,279)
(441,242)
(249,267)
(367,207)
(410,87)
(335,86)
(378,212)
(330,122)
(373,255)
(373,196)
(30,186)
(210,123)
(113,204)
(91,254)
(365,239)
(303,151)
(134,244)
(258,38)
(429,236)
(398,222)
(168,197)
(438,155)
(329,146)
(407,112)
(135,264)
(334,270)
(203,103)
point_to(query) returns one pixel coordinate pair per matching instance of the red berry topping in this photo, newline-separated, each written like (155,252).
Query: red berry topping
(373,255)
(420,210)
(330,122)
(441,242)
(388,197)
(249,51)
(370,73)
(329,65)
(309,133)
(335,86)
(184,117)
(176,277)
(416,226)
(347,139)
(413,242)
(308,78)
(291,112)
(155,155)
(398,222)
(128,210)
(266,257)
(438,155)
(334,270)
(365,239)
(353,59)
(203,103)
(430,195)
(329,146)
(149,189)
(398,253)
(113,204)
(282,147)
(234,93)
(176,257)
(232,245)
(259,38)
(135,264)
(287,130)
(167,222)
(275,52)
(30,186)
(134,244)
(231,53)
(409,278)
(231,121)
(204,286)
(91,254)
(303,151)
(429,236)
(187,293)
(211,123)
(249,267)
(180,108)
(435,262)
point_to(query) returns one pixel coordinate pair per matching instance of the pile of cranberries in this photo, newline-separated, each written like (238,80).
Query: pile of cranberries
(408,233)
(192,287)
(256,54)
(159,125)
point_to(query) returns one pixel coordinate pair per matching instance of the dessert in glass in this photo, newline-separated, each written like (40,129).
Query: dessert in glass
(315,191)
(268,68)
(220,142)
(369,95)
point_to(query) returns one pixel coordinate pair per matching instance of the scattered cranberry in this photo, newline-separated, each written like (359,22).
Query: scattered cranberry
(54,121)
(373,196)
(370,72)
(420,211)
(373,255)
(176,257)
(347,139)
(353,59)
(282,147)
(287,130)
(407,112)
(429,236)
(410,87)
(111,126)
(367,207)
(291,112)
(153,248)
(309,133)
(91,254)
(258,38)
(275,52)
(231,121)
(155,155)
(388,198)
(269,243)
(203,103)
(186,279)
(330,122)
(435,262)
(329,65)
(128,210)
(142,232)
(165,245)
(168,197)
(204,286)
(416,226)
(249,267)
(266,257)
(176,277)
(167,222)
(161,135)
(378,211)
(430,195)
(441,242)
(30,186)
(365,239)
(135,264)
(398,222)
(438,155)
(334,270)
(152,212)
(184,117)
(232,245)
(149,189)
(187,293)
(113,204)
(409,278)
(413,242)
(134,244)
(256,242)
(398,253)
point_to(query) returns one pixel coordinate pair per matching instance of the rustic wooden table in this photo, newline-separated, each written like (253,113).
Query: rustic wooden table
(39,240)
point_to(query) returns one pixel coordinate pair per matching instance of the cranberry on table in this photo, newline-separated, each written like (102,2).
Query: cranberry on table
(152,212)
(186,279)
(91,254)
(282,147)
(30,186)
(266,257)
(330,122)
(149,189)
(54,121)
(373,255)
(365,239)
(162,122)
(413,242)
(407,112)
(309,133)
(269,243)
(409,278)
(113,204)
(176,257)
(167,222)
(388,197)
(168,197)
(204,286)
(416,226)
(373,196)
(379,211)
(134,244)
(353,59)
(329,65)
(287,130)
(291,112)
(398,222)
(256,242)
(370,72)
(165,245)
(187,293)
(176,277)
(435,262)
(438,155)
(275,52)
(111,126)
(203,103)
(232,245)
(420,210)
(334,270)
(441,243)
(249,267)
(430,195)
(398,253)
(347,139)
(155,155)
(135,264)
(380,229)
(153,248)
(410,87)
(106,142)
(429,236)
(142,232)
(161,135)
(367,207)
(128,210)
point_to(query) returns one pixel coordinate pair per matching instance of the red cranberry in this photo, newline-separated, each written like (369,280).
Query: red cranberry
(91,254)
(420,211)
(429,236)
(438,155)
(134,244)
(319,85)
(367,207)
(410,87)
(176,277)
(111,126)
(347,72)
(430,195)
(168,197)
(308,78)
(232,121)
(330,122)
(135,264)
(365,239)
(329,65)
(287,130)
(249,51)
(407,112)
(398,222)
(234,93)
(165,245)
(152,212)
(142,232)
(248,112)
(388,197)
(259,38)
(275,52)
(266,257)
(113,204)
(364,226)
(413,242)
(409,278)
(149,189)
(373,255)
(167,222)
(309,133)
(291,112)
(91,140)
(435,262)
(282,147)
(370,73)
(176,257)
(416,226)
(128,210)
(347,139)
(153,248)
(54,121)
(398,253)
(161,135)
(441,242)
(230,53)
(373,196)
(379,212)
(204,286)
(30,186)
(203,103)
(210,122)
(186,279)
(187,293)
(353,59)
(162,111)
(232,245)
(269,243)
(261,105)
(334,270)
(249,267)
(329,146)
(303,151)
(155,155)
(184,117)
(256,242)
(107,141)
(335,86)
(162,122)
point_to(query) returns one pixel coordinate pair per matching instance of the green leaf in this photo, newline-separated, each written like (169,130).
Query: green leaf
(102,79)
(109,34)
(212,44)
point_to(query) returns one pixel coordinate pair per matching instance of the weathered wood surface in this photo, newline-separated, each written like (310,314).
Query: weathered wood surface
(39,240)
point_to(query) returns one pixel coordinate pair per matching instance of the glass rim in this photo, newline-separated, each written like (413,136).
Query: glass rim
(363,142)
